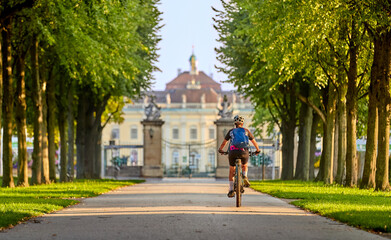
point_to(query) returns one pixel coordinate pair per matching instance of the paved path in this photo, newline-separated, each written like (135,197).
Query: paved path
(182,209)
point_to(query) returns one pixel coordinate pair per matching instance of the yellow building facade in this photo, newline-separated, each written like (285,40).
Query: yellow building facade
(189,106)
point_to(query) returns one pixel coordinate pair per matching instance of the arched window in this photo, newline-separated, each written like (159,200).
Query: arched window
(212,158)
(134,158)
(175,157)
(194,160)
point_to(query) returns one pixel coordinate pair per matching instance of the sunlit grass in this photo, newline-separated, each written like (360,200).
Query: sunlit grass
(366,209)
(18,204)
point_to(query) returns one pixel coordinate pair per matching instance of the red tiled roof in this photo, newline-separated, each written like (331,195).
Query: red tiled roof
(194,95)
(184,78)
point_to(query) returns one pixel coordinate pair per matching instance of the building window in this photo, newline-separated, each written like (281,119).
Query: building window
(134,158)
(175,157)
(133,133)
(211,133)
(194,161)
(115,133)
(175,133)
(193,133)
(211,158)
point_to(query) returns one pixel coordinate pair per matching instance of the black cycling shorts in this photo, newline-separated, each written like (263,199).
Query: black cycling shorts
(235,154)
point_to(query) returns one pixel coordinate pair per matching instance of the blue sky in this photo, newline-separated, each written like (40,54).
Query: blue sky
(187,23)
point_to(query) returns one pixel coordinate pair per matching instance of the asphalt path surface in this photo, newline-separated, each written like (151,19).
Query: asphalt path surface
(182,209)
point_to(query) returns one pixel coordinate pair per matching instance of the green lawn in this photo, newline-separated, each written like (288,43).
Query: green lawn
(18,204)
(365,209)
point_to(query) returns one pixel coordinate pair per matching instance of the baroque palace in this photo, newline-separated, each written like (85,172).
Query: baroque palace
(189,106)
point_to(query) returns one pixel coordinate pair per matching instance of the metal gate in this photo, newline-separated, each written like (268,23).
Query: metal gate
(123,160)
(195,159)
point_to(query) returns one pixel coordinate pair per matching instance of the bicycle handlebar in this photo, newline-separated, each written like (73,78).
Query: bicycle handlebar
(250,153)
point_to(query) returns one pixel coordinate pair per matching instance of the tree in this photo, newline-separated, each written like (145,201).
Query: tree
(373,14)
(111,61)
(38,118)
(258,37)
(305,127)
(21,105)
(105,49)
(254,77)
(7,103)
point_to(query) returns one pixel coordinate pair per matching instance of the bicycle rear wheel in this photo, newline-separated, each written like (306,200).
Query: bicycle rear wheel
(238,183)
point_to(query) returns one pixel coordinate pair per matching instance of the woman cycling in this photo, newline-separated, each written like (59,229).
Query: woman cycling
(238,149)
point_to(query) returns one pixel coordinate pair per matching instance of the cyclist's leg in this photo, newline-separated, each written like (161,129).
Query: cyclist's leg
(245,158)
(231,158)
(231,177)
(231,173)
(245,169)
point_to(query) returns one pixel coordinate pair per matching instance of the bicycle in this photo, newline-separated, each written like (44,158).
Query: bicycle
(238,180)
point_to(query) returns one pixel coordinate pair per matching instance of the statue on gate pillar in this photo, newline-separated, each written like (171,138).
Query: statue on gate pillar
(152,135)
(223,124)
(152,110)
(226,111)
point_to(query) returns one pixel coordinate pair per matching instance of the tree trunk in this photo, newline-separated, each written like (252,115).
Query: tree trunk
(302,142)
(288,137)
(98,155)
(71,134)
(341,139)
(51,118)
(98,144)
(80,134)
(339,162)
(2,69)
(320,175)
(89,133)
(37,103)
(351,109)
(307,148)
(329,144)
(382,56)
(314,127)
(62,111)
(7,104)
(325,96)
(305,121)
(369,174)
(20,117)
(94,134)
(90,142)
(63,145)
(45,150)
(336,147)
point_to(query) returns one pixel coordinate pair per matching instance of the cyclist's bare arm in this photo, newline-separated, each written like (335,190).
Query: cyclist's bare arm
(222,146)
(255,145)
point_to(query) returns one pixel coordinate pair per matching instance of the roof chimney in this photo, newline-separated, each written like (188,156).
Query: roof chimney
(179,71)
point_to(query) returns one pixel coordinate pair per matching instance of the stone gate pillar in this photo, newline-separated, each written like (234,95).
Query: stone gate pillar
(223,125)
(152,133)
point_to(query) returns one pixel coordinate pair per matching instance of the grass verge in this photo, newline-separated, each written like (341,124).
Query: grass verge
(365,209)
(19,204)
